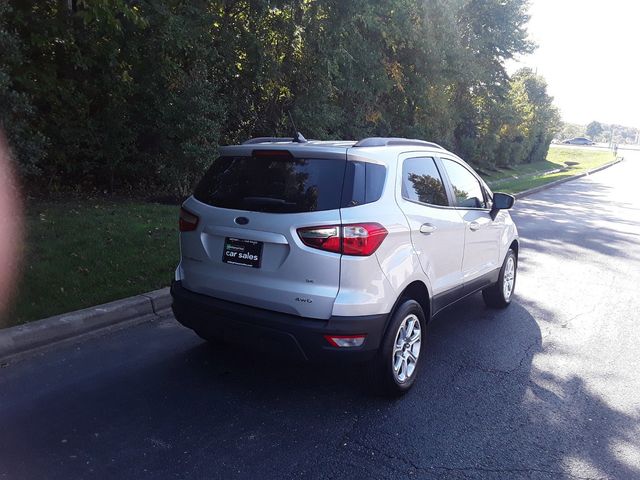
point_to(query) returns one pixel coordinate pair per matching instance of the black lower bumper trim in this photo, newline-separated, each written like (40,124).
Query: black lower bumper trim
(276,332)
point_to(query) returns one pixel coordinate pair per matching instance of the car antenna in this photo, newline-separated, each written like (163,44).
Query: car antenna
(297,136)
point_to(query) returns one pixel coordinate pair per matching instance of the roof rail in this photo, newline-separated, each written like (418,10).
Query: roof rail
(298,138)
(267,140)
(394,141)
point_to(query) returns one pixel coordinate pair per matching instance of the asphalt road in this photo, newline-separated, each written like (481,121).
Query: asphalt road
(549,388)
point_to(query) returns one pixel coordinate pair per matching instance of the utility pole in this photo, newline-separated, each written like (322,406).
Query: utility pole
(611,138)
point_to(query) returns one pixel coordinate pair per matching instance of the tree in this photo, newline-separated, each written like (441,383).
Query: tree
(139,94)
(176,107)
(594,129)
(570,130)
(17,112)
(539,118)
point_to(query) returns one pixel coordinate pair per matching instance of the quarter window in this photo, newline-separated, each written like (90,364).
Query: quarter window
(363,183)
(466,188)
(421,182)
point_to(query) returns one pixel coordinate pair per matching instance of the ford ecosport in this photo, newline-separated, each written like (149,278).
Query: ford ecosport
(340,250)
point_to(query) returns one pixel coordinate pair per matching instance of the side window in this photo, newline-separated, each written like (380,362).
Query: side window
(421,182)
(466,187)
(363,183)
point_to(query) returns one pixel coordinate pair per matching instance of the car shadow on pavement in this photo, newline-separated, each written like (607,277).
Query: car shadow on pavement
(480,409)
(484,409)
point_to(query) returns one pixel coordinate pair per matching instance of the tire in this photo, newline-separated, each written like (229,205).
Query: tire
(499,295)
(397,363)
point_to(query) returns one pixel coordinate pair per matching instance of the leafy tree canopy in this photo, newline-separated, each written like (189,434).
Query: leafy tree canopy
(124,94)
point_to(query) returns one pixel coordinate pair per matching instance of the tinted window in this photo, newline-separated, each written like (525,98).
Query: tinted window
(466,187)
(273,184)
(363,183)
(421,182)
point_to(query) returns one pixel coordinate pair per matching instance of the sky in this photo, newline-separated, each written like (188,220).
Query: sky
(589,53)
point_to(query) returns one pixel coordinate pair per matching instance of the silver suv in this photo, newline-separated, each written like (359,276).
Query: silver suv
(340,250)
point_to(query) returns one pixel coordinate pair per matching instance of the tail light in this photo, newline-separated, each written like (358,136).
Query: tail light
(188,220)
(324,238)
(360,239)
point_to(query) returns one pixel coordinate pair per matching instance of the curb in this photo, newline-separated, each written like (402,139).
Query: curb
(568,179)
(126,312)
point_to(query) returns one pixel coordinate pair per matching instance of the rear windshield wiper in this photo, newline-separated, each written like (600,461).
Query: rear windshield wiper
(265,201)
(269,204)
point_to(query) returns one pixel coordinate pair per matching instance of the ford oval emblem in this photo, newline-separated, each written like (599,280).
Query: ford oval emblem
(242,220)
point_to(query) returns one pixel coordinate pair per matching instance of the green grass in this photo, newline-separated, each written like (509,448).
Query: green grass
(526,176)
(84,253)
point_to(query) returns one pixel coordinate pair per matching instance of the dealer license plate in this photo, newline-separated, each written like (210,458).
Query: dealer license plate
(237,251)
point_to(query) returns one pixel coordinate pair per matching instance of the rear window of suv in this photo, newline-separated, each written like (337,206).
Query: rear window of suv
(290,185)
(273,184)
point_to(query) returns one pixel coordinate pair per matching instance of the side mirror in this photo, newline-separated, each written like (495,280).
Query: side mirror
(501,201)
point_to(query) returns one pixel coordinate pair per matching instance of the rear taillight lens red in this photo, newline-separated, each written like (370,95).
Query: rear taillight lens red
(188,220)
(361,239)
(325,237)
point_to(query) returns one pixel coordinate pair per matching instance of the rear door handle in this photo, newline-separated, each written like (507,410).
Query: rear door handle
(427,228)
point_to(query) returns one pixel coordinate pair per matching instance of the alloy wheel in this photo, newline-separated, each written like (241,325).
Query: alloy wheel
(406,348)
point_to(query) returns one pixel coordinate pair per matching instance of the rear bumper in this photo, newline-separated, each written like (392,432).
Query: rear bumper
(282,333)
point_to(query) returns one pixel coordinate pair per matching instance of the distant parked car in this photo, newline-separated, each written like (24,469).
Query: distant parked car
(579,141)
